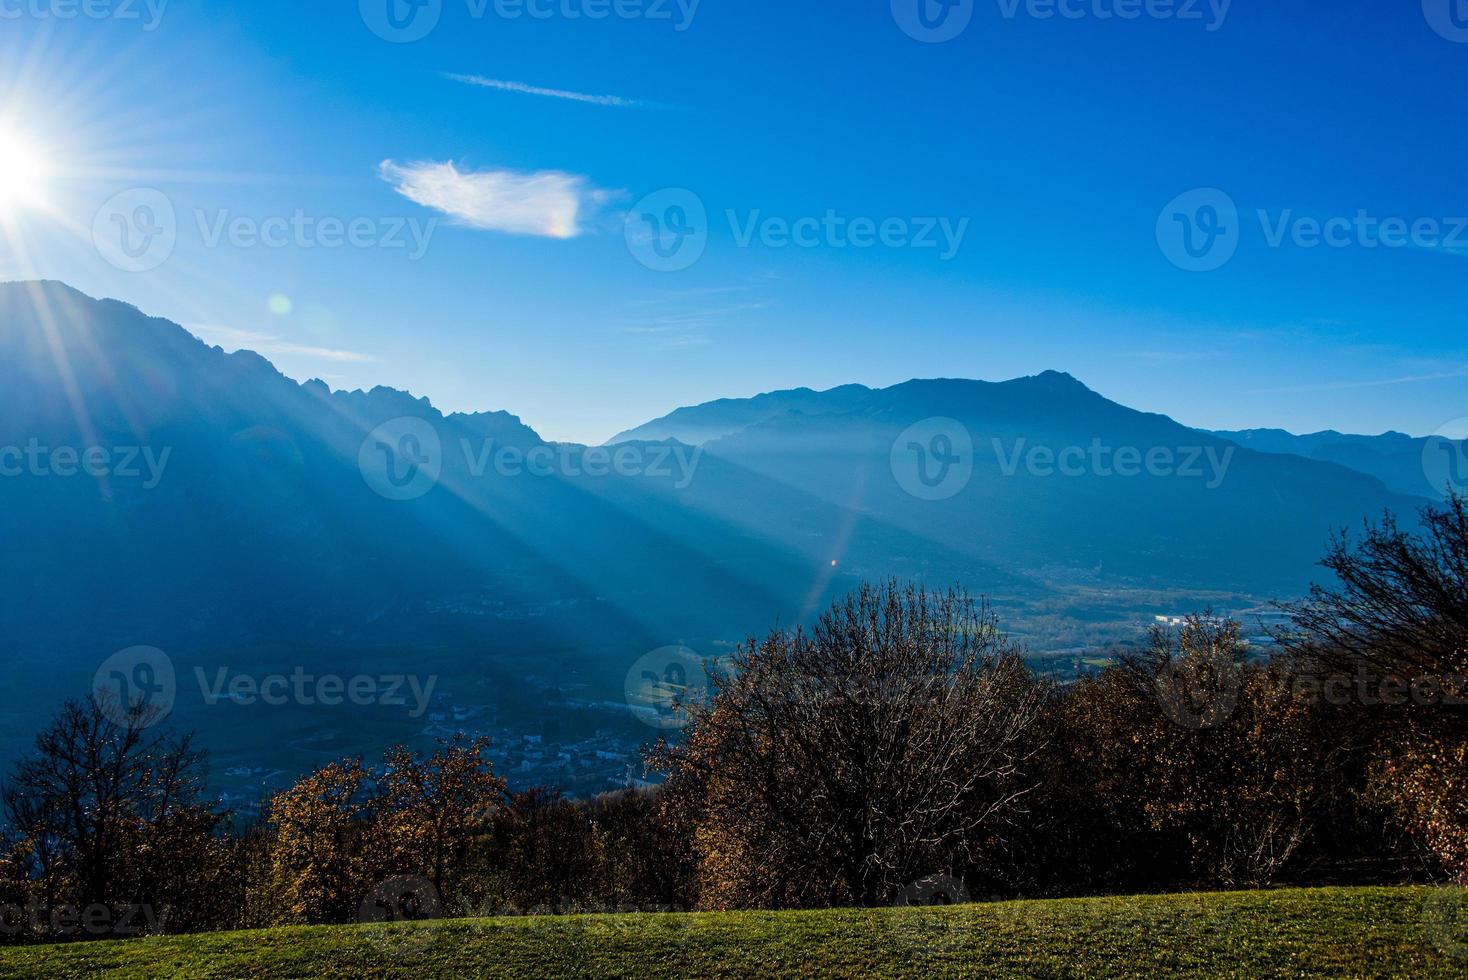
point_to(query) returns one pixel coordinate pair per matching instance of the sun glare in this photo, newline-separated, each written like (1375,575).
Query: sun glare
(22,171)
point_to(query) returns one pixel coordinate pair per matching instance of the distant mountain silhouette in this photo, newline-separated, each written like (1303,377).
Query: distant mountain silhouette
(1260,528)
(1393,458)
(263,528)
(269,524)
(712,420)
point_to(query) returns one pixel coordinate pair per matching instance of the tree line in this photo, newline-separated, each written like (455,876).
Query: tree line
(898,750)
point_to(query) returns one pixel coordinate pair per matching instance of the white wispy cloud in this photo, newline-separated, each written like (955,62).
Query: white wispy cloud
(233,338)
(547,203)
(672,325)
(550,93)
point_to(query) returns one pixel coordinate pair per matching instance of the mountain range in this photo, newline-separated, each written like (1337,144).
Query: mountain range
(1248,511)
(1404,463)
(289,516)
(1394,458)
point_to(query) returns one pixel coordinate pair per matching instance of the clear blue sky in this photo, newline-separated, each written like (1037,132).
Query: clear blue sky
(1059,140)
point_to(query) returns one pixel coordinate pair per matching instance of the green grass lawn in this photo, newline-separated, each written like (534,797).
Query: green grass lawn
(1365,932)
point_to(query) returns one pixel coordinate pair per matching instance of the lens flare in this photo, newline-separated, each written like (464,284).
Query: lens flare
(22,171)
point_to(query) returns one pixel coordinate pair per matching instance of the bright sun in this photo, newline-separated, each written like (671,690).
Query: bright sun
(22,171)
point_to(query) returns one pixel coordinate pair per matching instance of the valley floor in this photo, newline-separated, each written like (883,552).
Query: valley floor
(1366,932)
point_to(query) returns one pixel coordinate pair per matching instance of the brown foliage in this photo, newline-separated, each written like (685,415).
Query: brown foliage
(431,809)
(1184,765)
(1399,621)
(839,765)
(106,812)
(321,853)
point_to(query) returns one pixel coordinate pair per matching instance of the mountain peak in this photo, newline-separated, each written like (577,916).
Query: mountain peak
(1059,379)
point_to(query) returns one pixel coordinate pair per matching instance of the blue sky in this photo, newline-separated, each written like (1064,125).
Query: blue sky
(1055,143)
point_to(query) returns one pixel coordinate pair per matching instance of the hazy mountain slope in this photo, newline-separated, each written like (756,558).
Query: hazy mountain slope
(262,527)
(1219,515)
(1400,461)
(262,521)
(700,424)
(268,525)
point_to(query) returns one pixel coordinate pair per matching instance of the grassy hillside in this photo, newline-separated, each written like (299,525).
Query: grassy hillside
(1377,932)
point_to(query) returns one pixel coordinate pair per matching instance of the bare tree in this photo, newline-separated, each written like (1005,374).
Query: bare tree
(1401,607)
(96,779)
(1395,630)
(843,763)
